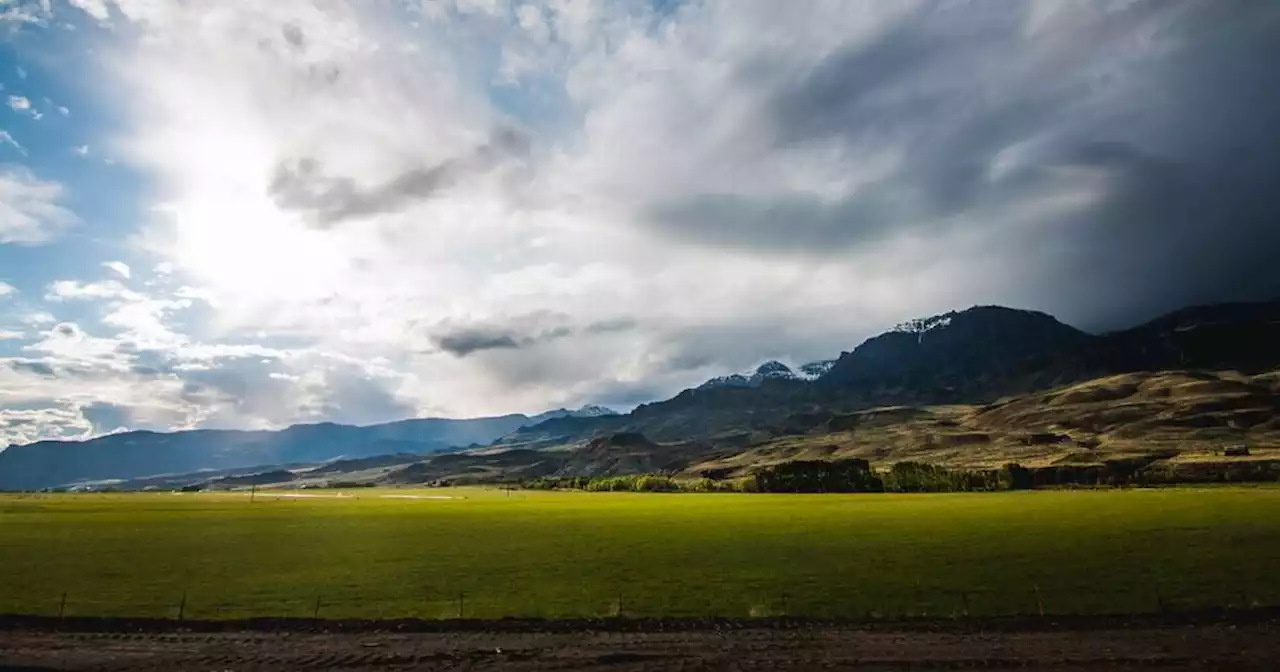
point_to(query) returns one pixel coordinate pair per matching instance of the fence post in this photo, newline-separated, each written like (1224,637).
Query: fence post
(182,606)
(62,606)
(316,613)
(1039,600)
(964,599)
(462,603)
(1159,600)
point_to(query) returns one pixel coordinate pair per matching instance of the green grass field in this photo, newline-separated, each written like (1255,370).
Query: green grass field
(573,554)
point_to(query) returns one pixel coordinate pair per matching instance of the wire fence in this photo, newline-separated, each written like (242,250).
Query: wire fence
(206,604)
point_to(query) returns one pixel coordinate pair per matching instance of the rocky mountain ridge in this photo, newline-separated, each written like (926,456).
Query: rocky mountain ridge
(971,356)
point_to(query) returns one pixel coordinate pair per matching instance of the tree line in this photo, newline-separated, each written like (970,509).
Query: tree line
(857,475)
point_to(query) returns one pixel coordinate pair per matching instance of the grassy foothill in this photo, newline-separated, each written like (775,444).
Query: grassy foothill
(379,553)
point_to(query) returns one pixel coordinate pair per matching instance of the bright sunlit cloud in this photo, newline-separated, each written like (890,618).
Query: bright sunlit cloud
(271,212)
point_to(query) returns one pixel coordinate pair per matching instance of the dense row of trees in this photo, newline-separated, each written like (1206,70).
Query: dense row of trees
(856,475)
(849,475)
(918,477)
(640,483)
(1141,472)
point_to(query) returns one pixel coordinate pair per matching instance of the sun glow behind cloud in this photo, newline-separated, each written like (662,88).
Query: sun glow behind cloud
(454,207)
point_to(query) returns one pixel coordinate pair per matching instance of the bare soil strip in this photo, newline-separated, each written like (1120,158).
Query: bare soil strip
(1041,644)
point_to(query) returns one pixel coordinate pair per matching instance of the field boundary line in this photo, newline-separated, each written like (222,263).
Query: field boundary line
(1030,622)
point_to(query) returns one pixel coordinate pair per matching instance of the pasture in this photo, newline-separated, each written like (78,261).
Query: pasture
(378,553)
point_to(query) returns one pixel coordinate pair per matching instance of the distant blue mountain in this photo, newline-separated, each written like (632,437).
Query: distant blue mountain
(138,454)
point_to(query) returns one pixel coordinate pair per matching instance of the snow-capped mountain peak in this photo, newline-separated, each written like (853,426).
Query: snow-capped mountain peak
(814,370)
(772,369)
(588,411)
(592,411)
(731,380)
(924,324)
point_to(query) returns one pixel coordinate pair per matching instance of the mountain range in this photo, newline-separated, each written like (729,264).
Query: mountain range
(971,357)
(144,453)
(974,356)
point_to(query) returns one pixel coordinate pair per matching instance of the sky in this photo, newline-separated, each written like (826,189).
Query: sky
(243,214)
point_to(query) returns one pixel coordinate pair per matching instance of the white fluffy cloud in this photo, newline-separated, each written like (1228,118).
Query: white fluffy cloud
(120,268)
(460,213)
(30,208)
(95,8)
(38,318)
(74,289)
(71,382)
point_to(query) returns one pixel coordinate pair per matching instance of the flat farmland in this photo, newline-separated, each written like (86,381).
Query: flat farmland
(481,553)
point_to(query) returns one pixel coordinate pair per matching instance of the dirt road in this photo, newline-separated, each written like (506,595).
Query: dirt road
(1217,646)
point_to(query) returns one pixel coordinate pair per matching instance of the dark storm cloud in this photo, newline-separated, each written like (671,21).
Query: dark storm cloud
(1192,215)
(467,340)
(1167,110)
(907,90)
(518,332)
(464,341)
(303,185)
(797,223)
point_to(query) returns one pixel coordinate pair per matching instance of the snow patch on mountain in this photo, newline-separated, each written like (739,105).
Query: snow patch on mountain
(774,370)
(921,325)
(588,411)
(770,370)
(593,411)
(731,380)
(814,370)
